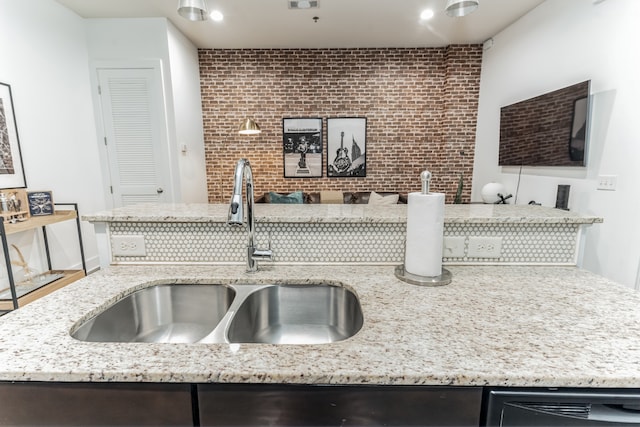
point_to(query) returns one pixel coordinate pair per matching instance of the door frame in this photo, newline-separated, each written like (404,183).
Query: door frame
(172,192)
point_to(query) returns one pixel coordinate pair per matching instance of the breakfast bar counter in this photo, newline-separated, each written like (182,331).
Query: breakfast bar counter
(504,326)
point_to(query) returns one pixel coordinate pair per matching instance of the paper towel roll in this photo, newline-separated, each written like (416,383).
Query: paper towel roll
(425,230)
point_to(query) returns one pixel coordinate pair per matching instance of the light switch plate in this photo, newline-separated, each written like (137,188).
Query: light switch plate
(128,246)
(453,247)
(607,182)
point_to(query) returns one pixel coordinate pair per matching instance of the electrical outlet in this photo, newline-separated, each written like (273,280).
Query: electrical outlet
(128,246)
(607,182)
(453,247)
(484,247)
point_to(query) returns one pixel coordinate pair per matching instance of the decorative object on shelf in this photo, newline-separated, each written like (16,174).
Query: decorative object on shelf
(562,197)
(502,199)
(40,203)
(13,205)
(458,199)
(27,271)
(11,169)
(490,192)
(350,158)
(302,147)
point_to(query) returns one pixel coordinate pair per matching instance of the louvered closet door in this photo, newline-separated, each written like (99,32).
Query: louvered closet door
(135,135)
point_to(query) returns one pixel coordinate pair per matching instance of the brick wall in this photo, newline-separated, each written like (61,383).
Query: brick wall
(536,132)
(420,104)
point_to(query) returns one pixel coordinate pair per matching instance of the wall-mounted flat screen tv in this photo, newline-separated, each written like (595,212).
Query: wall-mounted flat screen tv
(548,130)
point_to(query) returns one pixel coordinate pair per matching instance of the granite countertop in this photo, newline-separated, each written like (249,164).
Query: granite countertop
(473,213)
(507,326)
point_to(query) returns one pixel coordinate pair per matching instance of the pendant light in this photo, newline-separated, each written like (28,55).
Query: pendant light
(459,8)
(193,10)
(249,127)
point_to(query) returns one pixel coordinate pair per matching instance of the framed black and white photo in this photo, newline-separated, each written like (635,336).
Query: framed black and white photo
(302,147)
(346,147)
(11,170)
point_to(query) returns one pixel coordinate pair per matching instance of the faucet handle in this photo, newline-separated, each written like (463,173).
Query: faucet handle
(263,254)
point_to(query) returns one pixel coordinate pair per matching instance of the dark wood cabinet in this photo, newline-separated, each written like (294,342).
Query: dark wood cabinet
(95,404)
(317,405)
(162,404)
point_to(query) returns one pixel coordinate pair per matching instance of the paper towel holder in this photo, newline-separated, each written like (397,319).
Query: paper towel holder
(445,277)
(414,279)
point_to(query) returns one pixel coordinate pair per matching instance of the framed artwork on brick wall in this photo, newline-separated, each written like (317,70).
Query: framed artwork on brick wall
(346,147)
(302,147)
(11,170)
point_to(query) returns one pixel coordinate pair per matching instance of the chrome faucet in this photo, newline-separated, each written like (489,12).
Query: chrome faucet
(236,215)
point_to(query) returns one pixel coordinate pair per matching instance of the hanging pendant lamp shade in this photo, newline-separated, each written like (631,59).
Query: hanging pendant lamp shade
(458,8)
(249,127)
(193,10)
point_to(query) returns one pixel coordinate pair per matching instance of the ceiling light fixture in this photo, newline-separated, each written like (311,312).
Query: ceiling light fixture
(249,127)
(193,10)
(458,8)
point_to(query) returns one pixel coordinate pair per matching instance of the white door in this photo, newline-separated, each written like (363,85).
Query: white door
(135,138)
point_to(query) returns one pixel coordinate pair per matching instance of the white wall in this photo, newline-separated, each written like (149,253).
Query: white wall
(43,56)
(187,101)
(129,41)
(559,43)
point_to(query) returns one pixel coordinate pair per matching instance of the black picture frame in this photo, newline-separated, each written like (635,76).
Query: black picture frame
(40,203)
(350,159)
(11,167)
(302,147)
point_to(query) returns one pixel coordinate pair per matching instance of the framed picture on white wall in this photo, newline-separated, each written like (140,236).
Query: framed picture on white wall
(11,170)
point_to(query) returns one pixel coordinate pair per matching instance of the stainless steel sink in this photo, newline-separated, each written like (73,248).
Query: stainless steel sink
(274,314)
(160,314)
(314,314)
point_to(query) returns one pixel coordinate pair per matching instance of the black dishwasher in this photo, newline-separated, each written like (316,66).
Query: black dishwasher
(561,407)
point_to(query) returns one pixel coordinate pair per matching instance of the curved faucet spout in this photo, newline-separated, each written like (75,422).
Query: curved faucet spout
(236,207)
(236,213)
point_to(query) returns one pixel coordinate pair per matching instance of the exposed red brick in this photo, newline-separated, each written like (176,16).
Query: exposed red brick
(421,107)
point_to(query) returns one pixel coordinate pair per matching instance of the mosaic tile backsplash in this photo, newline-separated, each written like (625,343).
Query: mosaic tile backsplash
(327,243)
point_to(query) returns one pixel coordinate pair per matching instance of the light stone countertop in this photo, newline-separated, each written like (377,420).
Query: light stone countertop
(359,213)
(508,326)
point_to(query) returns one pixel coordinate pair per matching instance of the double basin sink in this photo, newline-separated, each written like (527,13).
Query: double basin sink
(244,313)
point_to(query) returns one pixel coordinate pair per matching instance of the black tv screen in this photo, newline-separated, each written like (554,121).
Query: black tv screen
(548,130)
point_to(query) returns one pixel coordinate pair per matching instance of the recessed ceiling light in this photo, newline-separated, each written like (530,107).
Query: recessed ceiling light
(426,14)
(216,15)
